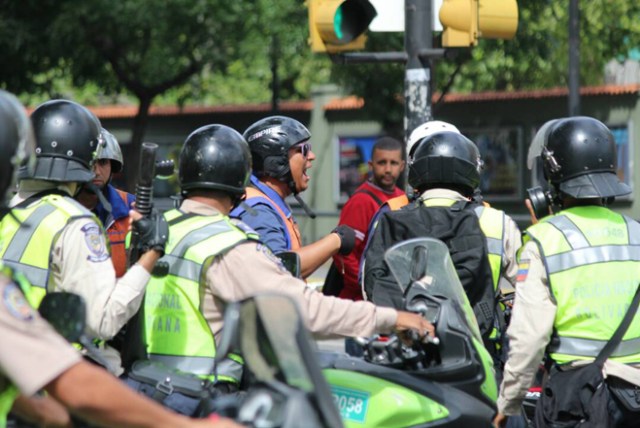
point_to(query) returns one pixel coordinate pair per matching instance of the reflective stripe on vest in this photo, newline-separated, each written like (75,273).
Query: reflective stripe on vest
(592,258)
(176,331)
(29,242)
(293,233)
(492,226)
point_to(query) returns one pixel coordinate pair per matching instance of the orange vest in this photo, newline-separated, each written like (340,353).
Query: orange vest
(398,202)
(292,227)
(117,233)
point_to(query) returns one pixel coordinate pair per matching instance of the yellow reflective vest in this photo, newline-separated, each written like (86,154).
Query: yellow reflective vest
(177,334)
(27,243)
(592,258)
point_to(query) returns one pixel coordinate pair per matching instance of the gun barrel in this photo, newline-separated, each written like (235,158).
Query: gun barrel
(146,173)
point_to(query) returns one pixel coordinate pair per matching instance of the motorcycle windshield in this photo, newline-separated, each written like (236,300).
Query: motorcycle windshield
(267,343)
(425,263)
(276,347)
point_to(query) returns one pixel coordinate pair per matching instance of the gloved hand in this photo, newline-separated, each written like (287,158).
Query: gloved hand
(347,238)
(153,232)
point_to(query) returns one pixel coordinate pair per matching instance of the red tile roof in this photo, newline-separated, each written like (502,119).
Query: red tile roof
(540,93)
(356,103)
(121,111)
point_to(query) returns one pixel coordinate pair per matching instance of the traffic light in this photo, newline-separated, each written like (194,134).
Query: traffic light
(464,21)
(339,25)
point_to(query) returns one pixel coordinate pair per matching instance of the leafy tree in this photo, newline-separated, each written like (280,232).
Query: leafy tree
(175,51)
(536,58)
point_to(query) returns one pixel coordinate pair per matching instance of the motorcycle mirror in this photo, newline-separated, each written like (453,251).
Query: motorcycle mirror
(66,312)
(229,332)
(291,261)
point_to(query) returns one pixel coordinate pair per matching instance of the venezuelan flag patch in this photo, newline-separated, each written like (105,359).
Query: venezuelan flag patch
(523,270)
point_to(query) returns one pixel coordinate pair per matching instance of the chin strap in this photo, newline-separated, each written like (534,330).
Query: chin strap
(93,188)
(292,187)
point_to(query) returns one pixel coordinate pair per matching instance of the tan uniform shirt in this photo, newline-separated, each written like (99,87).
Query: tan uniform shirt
(251,268)
(530,331)
(511,242)
(80,264)
(32,354)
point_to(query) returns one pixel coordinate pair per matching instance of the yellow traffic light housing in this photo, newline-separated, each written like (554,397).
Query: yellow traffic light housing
(339,25)
(464,21)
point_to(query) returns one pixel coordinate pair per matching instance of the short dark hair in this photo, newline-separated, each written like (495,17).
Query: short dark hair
(387,143)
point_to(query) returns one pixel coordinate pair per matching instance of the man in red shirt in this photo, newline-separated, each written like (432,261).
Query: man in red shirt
(386,165)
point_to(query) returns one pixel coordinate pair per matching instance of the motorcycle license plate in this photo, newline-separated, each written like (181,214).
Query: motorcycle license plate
(351,403)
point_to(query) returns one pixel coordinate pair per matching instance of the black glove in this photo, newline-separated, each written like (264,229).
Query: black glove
(153,232)
(347,238)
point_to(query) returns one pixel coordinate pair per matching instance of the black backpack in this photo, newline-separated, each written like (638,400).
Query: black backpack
(458,227)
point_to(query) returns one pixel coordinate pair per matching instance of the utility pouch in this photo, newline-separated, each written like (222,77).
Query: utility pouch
(167,380)
(573,397)
(627,394)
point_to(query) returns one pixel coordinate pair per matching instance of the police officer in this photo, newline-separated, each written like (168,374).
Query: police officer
(213,259)
(32,355)
(114,212)
(282,157)
(56,242)
(575,266)
(444,169)
(419,134)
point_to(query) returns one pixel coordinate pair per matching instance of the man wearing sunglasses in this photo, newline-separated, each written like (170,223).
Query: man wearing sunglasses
(282,157)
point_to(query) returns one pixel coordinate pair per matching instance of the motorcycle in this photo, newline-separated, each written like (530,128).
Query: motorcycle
(285,383)
(446,382)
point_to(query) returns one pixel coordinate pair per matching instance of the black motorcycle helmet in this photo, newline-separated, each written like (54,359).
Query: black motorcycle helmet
(445,159)
(578,157)
(270,140)
(17,144)
(68,136)
(215,157)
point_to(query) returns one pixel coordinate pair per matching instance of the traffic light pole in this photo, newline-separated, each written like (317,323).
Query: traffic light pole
(418,39)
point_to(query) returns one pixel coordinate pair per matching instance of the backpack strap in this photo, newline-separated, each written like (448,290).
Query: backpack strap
(620,331)
(370,193)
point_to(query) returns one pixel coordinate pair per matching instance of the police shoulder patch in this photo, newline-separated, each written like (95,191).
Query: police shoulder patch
(267,252)
(16,303)
(96,243)
(242,226)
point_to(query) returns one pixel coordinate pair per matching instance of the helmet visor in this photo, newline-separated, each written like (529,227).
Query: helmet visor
(99,152)
(538,143)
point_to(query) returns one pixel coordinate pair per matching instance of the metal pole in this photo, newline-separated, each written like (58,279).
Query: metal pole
(574,58)
(275,83)
(417,77)
(417,39)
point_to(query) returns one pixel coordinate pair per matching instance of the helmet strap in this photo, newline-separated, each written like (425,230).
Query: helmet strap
(304,206)
(92,187)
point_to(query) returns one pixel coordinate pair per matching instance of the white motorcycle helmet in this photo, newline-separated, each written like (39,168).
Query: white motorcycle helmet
(425,130)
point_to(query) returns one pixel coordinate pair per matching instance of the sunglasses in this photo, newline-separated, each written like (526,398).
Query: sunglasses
(305,149)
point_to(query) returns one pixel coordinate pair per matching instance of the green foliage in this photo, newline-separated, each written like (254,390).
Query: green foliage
(536,58)
(219,51)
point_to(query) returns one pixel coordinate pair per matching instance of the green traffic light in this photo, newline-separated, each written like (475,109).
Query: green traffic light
(337,23)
